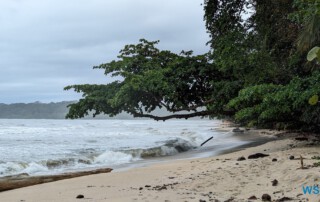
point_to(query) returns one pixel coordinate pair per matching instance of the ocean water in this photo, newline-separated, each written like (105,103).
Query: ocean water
(40,147)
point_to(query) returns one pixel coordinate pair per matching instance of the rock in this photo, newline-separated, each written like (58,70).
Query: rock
(237,130)
(242,158)
(257,155)
(140,188)
(252,198)
(147,186)
(266,197)
(274,182)
(274,160)
(202,200)
(291,157)
(80,196)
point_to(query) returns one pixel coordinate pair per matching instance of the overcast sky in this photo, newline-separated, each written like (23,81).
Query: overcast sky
(48,44)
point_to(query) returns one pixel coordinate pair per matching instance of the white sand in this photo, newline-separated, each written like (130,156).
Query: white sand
(211,179)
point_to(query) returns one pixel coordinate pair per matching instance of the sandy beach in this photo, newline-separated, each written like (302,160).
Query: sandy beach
(219,178)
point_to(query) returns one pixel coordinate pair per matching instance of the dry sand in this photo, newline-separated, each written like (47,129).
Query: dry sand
(220,178)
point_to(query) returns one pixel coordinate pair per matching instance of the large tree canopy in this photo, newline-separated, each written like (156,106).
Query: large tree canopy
(256,71)
(152,79)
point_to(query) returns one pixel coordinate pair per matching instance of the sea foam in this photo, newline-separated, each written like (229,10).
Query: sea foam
(51,146)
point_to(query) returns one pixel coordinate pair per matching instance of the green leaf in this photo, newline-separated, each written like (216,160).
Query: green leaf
(314,100)
(314,53)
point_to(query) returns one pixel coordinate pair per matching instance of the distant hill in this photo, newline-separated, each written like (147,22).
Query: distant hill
(34,110)
(53,110)
(38,110)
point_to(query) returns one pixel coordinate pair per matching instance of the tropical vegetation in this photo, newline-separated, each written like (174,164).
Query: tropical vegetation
(258,72)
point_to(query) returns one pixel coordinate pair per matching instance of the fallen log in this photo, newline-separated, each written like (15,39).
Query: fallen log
(24,180)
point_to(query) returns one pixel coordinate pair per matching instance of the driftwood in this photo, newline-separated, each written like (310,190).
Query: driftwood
(24,180)
(301,161)
(206,141)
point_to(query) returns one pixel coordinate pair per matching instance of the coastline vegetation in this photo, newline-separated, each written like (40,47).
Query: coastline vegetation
(255,73)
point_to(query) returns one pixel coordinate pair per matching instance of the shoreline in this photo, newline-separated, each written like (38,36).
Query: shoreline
(248,139)
(242,141)
(218,178)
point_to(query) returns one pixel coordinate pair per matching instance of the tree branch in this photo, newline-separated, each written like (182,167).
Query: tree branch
(176,116)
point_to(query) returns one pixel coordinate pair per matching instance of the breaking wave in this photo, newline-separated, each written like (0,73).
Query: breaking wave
(167,148)
(92,159)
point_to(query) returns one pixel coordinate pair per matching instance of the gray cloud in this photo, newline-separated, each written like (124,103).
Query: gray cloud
(46,45)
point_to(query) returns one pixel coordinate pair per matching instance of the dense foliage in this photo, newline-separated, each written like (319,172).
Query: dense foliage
(256,71)
(156,79)
(280,106)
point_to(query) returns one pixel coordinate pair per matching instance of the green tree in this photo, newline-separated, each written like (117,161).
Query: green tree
(253,72)
(308,16)
(151,79)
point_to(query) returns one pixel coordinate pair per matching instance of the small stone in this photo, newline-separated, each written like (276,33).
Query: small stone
(274,182)
(202,200)
(140,188)
(80,196)
(274,160)
(237,130)
(252,198)
(242,158)
(266,197)
(147,186)
(291,157)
